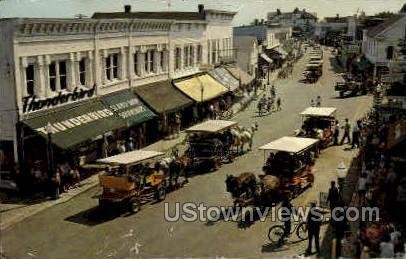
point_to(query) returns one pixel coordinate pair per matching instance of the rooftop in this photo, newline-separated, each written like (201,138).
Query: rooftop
(375,31)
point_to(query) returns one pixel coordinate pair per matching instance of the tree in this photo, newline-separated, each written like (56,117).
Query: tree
(278,11)
(384,15)
(296,10)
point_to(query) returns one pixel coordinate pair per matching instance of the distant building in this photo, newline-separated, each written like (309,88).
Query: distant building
(298,20)
(247,50)
(379,43)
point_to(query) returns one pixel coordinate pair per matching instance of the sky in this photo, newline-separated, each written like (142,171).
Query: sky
(247,9)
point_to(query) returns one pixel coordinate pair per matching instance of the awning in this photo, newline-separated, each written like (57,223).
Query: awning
(76,123)
(266,58)
(201,88)
(319,111)
(128,106)
(273,54)
(163,97)
(223,76)
(290,144)
(212,126)
(241,75)
(132,157)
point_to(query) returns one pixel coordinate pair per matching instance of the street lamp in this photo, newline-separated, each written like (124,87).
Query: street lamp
(50,154)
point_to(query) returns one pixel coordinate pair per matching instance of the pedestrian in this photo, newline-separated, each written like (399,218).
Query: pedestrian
(313,220)
(195,114)
(130,144)
(121,146)
(178,123)
(211,111)
(318,101)
(312,103)
(362,188)
(278,104)
(336,132)
(346,135)
(355,135)
(269,105)
(273,91)
(286,219)
(333,195)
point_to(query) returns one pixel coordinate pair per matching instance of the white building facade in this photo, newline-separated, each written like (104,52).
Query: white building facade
(49,63)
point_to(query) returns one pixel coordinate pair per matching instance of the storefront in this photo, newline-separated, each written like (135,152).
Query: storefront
(204,90)
(246,80)
(164,99)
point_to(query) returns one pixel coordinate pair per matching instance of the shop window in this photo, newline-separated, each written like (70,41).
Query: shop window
(52,76)
(30,79)
(82,71)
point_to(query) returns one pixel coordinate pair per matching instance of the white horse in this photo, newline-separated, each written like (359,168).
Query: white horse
(242,136)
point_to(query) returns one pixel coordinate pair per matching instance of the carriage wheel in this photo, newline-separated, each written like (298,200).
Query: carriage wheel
(301,231)
(160,193)
(275,233)
(134,205)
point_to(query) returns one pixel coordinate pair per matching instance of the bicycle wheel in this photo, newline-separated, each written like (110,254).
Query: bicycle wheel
(301,231)
(275,233)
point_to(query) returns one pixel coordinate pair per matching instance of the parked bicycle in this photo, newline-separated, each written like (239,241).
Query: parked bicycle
(276,234)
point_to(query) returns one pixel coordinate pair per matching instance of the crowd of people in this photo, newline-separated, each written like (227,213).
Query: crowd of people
(380,184)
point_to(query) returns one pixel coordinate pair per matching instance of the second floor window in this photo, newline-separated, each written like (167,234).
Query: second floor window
(191,55)
(186,56)
(177,58)
(136,70)
(111,66)
(389,52)
(161,60)
(82,72)
(57,75)
(30,79)
(199,54)
(148,62)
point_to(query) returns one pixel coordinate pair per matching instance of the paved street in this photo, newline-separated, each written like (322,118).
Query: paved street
(75,230)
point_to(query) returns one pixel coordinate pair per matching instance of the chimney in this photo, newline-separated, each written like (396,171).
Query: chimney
(201,8)
(127,8)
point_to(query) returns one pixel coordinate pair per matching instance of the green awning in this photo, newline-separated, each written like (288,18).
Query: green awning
(76,123)
(128,106)
(163,97)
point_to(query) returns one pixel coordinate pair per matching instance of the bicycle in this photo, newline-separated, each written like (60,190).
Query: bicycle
(277,233)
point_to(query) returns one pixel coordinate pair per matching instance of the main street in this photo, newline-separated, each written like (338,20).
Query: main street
(74,230)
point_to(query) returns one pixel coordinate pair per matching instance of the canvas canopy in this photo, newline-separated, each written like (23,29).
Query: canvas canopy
(267,59)
(132,157)
(201,88)
(212,126)
(290,144)
(319,111)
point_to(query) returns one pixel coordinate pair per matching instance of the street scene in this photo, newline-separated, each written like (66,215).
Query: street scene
(184,134)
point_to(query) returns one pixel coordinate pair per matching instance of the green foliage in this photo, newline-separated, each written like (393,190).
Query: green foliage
(384,14)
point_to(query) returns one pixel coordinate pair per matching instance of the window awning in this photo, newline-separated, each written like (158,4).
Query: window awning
(128,107)
(241,75)
(76,123)
(266,58)
(163,97)
(201,88)
(223,76)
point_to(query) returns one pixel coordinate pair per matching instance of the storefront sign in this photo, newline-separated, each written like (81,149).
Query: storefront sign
(77,121)
(31,103)
(129,108)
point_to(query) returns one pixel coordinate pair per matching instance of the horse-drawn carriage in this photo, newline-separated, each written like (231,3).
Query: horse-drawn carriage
(318,122)
(129,180)
(288,172)
(213,142)
(313,72)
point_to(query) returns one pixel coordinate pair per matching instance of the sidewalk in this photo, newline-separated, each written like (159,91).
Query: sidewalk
(12,213)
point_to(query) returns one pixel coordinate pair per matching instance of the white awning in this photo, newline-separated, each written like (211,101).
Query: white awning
(212,126)
(290,144)
(319,111)
(264,56)
(131,157)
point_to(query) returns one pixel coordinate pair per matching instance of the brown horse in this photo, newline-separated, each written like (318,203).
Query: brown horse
(244,183)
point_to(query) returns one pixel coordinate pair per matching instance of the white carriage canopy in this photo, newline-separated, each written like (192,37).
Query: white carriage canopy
(212,126)
(290,144)
(132,157)
(319,112)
